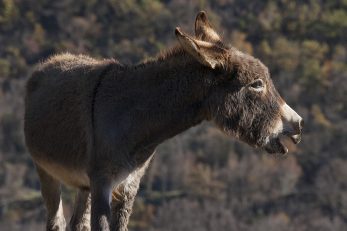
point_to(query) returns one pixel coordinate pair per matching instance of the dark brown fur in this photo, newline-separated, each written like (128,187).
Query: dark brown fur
(94,124)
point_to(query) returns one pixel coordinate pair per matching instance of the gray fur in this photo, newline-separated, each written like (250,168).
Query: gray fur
(94,124)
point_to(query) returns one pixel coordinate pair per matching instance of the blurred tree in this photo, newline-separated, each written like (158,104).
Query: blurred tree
(200,180)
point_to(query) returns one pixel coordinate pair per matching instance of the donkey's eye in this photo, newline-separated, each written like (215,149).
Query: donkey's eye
(257,85)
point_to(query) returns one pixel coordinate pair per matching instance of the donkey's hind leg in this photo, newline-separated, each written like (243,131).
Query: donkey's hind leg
(80,220)
(50,190)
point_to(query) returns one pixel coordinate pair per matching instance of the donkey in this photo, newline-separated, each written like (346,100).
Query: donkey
(94,124)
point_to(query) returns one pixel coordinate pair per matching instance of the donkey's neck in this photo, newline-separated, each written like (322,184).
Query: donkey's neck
(177,87)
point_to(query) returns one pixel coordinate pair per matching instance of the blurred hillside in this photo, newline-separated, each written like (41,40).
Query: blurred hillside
(200,180)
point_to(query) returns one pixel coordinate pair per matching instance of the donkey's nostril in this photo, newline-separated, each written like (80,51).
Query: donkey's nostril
(301,124)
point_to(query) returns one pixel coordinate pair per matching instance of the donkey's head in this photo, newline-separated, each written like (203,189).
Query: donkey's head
(244,102)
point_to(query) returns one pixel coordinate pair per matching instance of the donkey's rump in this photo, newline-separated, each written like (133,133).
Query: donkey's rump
(59,107)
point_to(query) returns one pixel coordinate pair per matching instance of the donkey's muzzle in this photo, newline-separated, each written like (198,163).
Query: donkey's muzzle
(297,128)
(291,125)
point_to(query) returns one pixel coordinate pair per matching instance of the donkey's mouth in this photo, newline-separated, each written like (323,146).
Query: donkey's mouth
(275,145)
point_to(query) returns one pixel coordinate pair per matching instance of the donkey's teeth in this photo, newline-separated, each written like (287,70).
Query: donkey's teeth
(296,139)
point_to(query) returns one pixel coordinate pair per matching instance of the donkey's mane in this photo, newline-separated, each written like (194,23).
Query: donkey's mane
(176,53)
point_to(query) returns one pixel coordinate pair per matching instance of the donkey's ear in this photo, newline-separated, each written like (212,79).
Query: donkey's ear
(206,53)
(204,30)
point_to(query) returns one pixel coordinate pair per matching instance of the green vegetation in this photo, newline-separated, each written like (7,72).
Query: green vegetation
(200,180)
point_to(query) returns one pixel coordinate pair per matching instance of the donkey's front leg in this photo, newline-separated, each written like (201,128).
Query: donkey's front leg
(122,202)
(123,197)
(100,188)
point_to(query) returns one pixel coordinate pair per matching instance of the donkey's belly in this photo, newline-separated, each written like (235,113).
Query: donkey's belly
(70,176)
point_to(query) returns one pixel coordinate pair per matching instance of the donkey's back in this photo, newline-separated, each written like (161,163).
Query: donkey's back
(58,114)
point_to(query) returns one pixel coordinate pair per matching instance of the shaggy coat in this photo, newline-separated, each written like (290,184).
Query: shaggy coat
(94,124)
